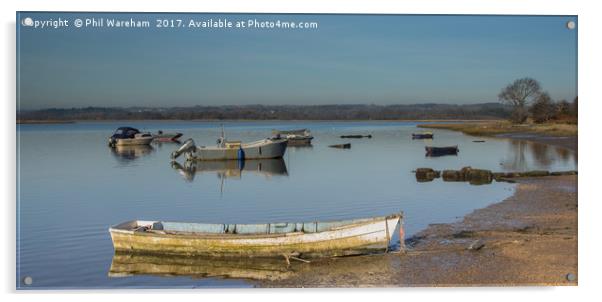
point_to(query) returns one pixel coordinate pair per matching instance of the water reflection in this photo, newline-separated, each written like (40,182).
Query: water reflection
(130,264)
(525,155)
(232,168)
(130,153)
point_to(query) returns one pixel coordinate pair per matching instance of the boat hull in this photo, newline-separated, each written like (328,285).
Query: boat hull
(441,151)
(167,137)
(422,136)
(365,236)
(265,149)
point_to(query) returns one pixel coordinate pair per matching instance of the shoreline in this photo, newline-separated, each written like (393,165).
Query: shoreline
(527,239)
(560,135)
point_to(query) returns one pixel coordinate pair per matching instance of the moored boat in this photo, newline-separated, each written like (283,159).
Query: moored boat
(341,146)
(128,136)
(299,137)
(167,137)
(307,240)
(440,151)
(423,135)
(273,147)
(356,136)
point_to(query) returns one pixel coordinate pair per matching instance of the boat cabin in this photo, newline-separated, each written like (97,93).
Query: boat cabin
(125,132)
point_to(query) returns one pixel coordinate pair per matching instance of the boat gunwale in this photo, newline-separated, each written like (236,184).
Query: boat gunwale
(217,236)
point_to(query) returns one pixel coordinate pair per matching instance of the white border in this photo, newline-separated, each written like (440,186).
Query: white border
(589,94)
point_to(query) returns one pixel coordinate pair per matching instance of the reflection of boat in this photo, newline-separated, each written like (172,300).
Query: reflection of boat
(231,168)
(230,150)
(423,135)
(129,264)
(309,239)
(128,136)
(341,146)
(131,152)
(440,151)
(161,136)
(300,137)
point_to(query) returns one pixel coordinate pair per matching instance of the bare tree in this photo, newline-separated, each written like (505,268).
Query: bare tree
(519,94)
(543,109)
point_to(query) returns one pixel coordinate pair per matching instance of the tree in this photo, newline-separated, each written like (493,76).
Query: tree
(519,94)
(543,108)
(563,109)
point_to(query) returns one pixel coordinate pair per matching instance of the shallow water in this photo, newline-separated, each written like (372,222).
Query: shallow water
(72,187)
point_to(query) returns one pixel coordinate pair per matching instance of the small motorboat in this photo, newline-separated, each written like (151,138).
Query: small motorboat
(161,136)
(356,136)
(440,151)
(300,137)
(341,146)
(423,135)
(273,147)
(128,136)
(302,239)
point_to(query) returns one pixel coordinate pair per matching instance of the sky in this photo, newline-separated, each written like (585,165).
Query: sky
(348,59)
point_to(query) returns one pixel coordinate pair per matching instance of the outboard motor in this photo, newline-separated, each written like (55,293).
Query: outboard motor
(188,145)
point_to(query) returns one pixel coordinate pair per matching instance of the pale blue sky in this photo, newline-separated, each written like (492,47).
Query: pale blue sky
(349,59)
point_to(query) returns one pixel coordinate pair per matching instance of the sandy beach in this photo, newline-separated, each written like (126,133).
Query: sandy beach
(528,239)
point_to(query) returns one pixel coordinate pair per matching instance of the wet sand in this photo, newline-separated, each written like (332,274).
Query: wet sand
(527,239)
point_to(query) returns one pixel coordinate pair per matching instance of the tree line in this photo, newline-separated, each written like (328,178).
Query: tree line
(277,112)
(528,100)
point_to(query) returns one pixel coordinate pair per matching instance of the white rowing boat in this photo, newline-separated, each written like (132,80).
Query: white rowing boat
(309,239)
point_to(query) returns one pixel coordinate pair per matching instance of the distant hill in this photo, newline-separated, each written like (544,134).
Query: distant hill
(275,112)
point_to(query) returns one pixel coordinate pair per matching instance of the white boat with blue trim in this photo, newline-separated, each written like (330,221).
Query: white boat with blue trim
(273,147)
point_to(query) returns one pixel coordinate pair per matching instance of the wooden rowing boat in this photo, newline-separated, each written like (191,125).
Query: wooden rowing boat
(309,239)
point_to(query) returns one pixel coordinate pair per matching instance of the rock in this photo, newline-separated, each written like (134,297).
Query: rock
(559,173)
(426,174)
(479,176)
(452,175)
(536,173)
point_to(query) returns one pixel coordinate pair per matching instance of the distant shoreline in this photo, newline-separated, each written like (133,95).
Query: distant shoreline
(248,120)
(23,122)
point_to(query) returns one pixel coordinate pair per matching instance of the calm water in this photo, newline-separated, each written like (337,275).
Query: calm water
(72,187)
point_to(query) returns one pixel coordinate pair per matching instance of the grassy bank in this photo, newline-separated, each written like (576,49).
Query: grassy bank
(494,128)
